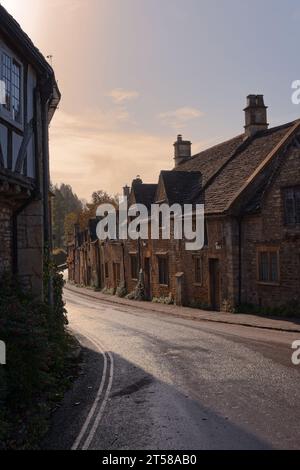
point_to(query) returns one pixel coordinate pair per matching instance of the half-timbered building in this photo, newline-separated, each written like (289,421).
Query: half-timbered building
(29,97)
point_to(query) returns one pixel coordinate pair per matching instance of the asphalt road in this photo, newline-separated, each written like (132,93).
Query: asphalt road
(151,381)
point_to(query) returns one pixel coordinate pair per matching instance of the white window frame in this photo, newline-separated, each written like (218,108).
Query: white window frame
(5,113)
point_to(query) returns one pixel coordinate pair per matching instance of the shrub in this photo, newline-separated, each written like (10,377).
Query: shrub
(37,346)
(164,300)
(121,291)
(108,291)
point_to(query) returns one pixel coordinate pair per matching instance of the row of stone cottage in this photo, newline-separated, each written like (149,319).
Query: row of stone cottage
(251,188)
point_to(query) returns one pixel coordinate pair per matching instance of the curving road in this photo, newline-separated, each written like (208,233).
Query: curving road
(151,381)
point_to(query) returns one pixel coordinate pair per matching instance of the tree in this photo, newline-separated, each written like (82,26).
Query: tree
(70,220)
(89,210)
(64,203)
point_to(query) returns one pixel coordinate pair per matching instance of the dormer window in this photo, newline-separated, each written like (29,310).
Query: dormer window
(10,75)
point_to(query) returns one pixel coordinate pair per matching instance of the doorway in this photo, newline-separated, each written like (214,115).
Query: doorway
(214,282)
(147,269)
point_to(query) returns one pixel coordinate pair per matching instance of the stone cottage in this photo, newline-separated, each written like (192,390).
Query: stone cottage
(250,186)
(29,97)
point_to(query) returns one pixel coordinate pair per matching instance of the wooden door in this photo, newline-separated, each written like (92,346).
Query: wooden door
(214,281)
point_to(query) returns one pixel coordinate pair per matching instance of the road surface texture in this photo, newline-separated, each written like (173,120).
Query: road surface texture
(152,381)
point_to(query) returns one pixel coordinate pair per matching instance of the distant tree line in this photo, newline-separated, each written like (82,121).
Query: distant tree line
(68,209)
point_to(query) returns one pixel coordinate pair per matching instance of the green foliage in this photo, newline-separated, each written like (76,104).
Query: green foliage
(163,300)
(121,291)
(108,291)
(37,347)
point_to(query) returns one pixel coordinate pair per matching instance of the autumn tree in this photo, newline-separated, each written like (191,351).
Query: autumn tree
(65,201)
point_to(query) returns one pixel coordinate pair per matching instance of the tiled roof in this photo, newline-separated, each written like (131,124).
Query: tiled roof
(210,160)
(144,193)
(227,167)
(181,186)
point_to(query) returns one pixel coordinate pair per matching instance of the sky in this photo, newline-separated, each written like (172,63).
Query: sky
(135,73)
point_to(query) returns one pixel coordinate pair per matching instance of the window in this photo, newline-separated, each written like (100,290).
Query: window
(268,265)
(106,270)
(11,78)
(163,270)
(292,205)
(198,269)
(134,266)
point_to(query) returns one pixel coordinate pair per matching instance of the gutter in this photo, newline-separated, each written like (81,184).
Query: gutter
(45,190)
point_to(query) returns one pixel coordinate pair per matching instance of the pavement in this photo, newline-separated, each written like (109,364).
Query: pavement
(151,380)
(289,325)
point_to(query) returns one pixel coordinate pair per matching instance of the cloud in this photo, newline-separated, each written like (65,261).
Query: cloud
(119,95)
(90,151)
(180,117)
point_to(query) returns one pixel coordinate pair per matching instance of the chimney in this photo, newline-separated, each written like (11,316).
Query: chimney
(126,191)
(255,115)
(183,150)
(137,181)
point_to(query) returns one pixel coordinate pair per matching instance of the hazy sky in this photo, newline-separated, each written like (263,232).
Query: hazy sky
(135,73)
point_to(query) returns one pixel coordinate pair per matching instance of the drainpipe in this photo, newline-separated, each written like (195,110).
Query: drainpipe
(46,185)
(240,259)
(124,268)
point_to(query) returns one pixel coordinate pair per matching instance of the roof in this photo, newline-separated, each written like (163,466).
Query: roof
(228,168)
(181,186)
(144,194)
(10,28)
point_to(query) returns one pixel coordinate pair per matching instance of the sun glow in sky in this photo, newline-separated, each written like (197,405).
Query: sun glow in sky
(134,73)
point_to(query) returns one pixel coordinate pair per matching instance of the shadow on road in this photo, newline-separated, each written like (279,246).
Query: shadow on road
(142,413)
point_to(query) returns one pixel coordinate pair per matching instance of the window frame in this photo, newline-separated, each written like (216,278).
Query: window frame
(8,114)
(269,250)
(198,258)
(295,189)
(134,273)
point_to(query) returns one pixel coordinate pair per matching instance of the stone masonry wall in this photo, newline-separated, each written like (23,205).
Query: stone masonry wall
(269,230)
(5,239)
(30,247)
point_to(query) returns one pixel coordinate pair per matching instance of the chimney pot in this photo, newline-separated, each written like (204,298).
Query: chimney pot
(255,115)
(183,150)
(126,191)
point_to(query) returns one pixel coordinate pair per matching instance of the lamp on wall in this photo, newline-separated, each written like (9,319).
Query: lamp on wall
(218,246)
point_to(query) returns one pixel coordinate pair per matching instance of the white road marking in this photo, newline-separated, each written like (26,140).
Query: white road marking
(97,400)
(102,408)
